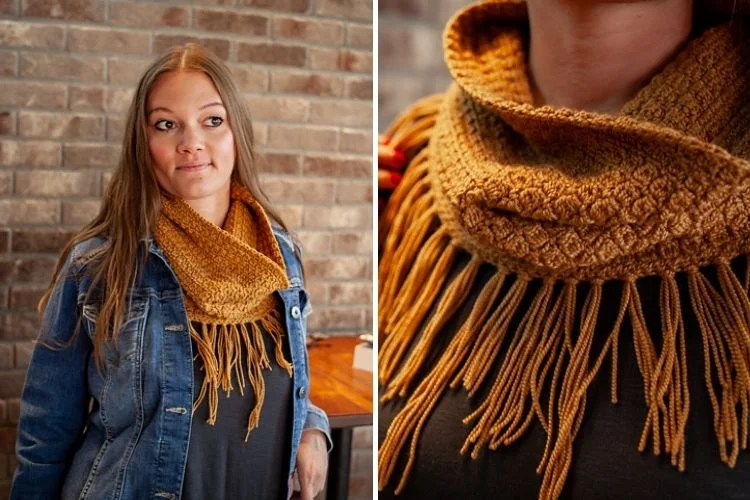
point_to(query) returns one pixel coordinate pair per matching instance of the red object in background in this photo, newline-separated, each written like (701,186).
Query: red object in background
(390,158)
(391,162)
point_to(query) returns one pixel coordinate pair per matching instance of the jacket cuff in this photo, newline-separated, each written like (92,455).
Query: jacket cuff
(318,420)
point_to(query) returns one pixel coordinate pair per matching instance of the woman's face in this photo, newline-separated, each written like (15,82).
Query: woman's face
(189,137)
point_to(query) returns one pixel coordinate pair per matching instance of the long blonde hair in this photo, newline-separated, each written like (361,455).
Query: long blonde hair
(132,201)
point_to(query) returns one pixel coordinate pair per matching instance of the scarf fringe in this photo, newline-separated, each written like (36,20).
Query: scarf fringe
(414,126)
(550,355)
(404,232)
(410,133)
(545,373)
(220,349)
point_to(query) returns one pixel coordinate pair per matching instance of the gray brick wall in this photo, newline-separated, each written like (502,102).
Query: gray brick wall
(410,52)
(67,72)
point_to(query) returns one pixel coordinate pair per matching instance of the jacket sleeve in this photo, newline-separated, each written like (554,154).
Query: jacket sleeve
(54,402)
(318,420)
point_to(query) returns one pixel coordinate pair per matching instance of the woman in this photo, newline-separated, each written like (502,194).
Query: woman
(576,203)
(171,360)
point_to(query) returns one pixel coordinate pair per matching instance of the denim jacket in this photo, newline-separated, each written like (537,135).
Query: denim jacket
(125,435)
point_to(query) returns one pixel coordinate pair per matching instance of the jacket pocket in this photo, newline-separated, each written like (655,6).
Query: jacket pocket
(137,307)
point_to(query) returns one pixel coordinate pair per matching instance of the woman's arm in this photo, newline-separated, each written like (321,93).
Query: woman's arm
(312,455)
(55,398)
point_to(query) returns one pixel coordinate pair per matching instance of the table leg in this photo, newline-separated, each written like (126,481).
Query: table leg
(338,467)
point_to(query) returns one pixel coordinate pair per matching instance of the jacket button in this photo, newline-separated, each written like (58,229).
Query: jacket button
(296,312)
(301,392)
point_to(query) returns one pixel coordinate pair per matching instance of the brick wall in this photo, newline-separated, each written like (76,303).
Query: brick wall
(67,73)
(410,53)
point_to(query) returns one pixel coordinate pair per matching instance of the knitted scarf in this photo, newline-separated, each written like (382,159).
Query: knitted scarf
(228,277)
(557,198)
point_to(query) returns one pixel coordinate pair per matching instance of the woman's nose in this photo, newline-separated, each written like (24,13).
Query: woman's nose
(190,141)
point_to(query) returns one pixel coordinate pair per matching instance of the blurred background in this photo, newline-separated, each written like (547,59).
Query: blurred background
(410,52)
(67,74)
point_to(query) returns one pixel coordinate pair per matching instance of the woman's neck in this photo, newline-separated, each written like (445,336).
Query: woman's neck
(212,208)
(596,55)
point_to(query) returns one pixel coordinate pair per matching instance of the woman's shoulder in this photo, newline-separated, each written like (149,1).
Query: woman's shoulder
(85,251)
(286,240)
(291,253)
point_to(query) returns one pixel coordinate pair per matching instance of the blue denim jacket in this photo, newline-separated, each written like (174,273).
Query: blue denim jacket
(125,436)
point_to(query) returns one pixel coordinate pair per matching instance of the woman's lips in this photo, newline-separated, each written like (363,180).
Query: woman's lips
(193,167)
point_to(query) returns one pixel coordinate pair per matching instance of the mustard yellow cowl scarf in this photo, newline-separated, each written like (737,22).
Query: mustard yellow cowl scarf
(228,276)
(559,198)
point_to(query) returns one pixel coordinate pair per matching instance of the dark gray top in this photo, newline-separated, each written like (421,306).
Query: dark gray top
(220,464)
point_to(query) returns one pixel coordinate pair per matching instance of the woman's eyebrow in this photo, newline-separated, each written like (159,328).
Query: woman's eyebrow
(162,108)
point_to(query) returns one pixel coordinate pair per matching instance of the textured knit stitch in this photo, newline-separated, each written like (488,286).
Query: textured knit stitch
(564,197)
(228,276)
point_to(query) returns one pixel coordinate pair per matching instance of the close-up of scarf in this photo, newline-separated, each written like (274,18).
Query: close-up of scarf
(228,276)
(558,198)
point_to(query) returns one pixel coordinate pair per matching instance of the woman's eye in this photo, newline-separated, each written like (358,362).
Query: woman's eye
(164,125)
(215,121)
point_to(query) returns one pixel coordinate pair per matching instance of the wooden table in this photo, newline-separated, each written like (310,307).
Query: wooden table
(346,396)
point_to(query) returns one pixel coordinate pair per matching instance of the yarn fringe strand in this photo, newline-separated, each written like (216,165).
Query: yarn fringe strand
(219,347)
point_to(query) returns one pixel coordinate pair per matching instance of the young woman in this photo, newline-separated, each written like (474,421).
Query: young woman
(171,360)
(573,228)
